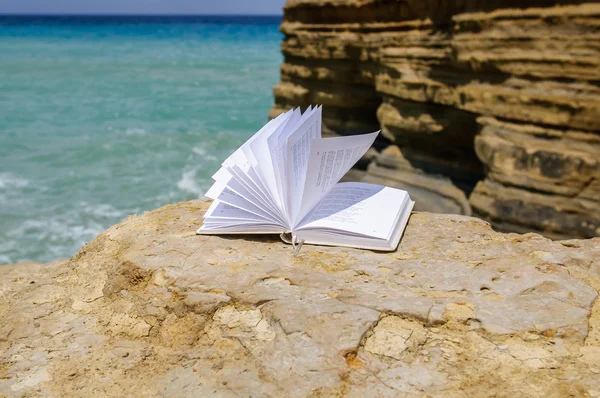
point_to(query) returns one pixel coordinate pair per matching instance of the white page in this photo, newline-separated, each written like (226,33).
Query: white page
(231,198)
(221,178)
(271,126)
(264,166)
(255,174)
(215,190)
(347,239)
(239,229)
(222,211)
(238,165)
(277,146)
(237,188)
(263,189)
(266,129)
(252,186)
(277,155)
(243,158)
(297,148)
(273,140)
(221,215)
(232,222)
(358,208)
(239,159)
(329,160)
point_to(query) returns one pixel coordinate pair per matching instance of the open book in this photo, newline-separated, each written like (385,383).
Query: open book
(284,179)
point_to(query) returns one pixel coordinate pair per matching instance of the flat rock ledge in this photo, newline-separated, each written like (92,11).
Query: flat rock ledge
(150,309)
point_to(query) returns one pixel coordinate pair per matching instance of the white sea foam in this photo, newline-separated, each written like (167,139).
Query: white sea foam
(104,210)
(58,234)
(188,183)
(7,246)
(55,229)
(130,132)
(198,150)
(8,180)
(201,151)
(168,197)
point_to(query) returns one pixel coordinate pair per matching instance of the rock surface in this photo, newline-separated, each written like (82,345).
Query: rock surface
(474,94)
(150,309)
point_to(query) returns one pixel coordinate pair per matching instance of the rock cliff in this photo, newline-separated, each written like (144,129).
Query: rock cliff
(150,309)
(485,109)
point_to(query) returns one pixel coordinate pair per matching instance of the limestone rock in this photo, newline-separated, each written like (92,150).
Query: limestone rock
(469,91)
(149,308)
(431,192)
(554,215)
(548,160)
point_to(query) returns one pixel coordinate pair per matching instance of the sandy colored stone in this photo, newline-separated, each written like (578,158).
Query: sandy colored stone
(557,216)
(150,309)
(432,192)
(469,91)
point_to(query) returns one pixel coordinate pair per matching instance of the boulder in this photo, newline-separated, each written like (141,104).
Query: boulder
(148,308)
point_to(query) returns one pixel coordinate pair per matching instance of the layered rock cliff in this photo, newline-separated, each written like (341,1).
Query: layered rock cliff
(485,109)
(150,309)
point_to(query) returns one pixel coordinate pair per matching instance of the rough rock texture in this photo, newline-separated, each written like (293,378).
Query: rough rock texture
(492,110)
(150,309)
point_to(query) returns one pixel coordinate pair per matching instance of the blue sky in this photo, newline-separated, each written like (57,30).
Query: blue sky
(141,6)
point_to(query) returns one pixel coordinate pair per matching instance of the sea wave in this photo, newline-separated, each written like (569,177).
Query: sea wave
(49,238)
(59,234)
(104,211)
(188,183)
(203,152)
(5,247)
(8,180)
(138,140)
(133,131)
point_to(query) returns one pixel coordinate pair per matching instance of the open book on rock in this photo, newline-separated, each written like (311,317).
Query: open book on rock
(285,179)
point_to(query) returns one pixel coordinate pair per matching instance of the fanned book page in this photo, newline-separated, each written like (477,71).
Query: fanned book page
(285,179)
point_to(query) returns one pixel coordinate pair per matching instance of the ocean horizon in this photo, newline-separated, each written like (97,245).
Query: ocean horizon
(107,116)
(253,19)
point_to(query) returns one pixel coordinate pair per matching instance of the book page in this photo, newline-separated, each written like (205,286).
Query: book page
(328,161)
(244,184)
(278,155)
(240,157)
(221,178)
(240,190)
(358,208)
(233,199)
(265,130)
(263,160)
(238,166)
(222,212)
(278,144)
(253,187)
(297,150)
(252,166)
(239,229)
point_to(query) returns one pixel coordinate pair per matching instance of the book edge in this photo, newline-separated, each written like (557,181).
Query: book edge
(401,224)
(394,244)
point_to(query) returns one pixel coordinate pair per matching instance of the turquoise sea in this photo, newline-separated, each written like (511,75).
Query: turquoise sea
(105,117)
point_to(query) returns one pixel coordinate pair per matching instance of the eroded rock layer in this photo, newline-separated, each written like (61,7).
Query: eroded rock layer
(150,309)
(491,108)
